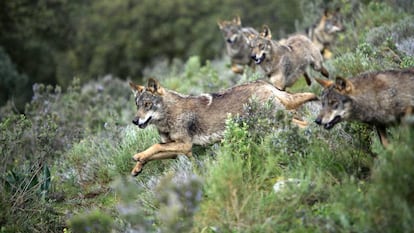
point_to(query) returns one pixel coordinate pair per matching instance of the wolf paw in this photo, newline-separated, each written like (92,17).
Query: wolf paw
(138,157)
(137,169)
(237,69)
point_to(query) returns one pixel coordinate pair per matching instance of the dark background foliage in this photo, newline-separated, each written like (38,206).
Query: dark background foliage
(52,42)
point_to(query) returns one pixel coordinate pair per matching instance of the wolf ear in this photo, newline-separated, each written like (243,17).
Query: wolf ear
(137,89)
(220,23)
(324,82)
(326,12)
(237,20)
(251,37)
(154,87)
(266,32)
(343,85)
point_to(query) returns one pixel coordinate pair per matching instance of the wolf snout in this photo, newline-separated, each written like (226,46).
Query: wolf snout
(258,59)
(318,121)
(135,121)
(255,59)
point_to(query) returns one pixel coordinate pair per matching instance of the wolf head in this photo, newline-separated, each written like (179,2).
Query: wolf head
(261,45)
(336,102)
(148,100)
(232,30)
(333,22)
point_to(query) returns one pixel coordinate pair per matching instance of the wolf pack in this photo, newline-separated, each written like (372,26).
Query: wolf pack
(380,98)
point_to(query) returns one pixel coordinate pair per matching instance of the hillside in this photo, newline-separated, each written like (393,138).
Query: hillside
(66,161)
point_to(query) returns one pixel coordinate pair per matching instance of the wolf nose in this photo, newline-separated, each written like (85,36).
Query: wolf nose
(318,121)
(135,121)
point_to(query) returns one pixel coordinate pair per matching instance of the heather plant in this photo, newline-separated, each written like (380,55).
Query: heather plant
(25,181)
(94,221)
(238,184)
(163,202)
(362,18)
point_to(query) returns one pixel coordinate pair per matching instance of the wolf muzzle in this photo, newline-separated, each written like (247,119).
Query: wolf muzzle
(135,121)
(330,124)
(258,60)
(140,123)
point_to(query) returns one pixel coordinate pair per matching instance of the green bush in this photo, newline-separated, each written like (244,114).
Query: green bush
(12,83)
(93,222)
(25,182)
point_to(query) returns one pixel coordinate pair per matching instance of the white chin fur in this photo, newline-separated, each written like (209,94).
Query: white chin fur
(143,120)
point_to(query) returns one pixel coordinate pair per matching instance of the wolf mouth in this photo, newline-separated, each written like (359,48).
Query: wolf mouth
(258,60)
(144,124)
(333,122)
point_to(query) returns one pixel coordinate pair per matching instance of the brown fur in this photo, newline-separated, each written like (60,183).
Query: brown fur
(183,120)
(325,31)
(377,98)
(285,63)
(237,43)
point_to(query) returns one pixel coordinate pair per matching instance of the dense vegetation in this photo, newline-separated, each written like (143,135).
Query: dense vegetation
(54,41)
(65,162)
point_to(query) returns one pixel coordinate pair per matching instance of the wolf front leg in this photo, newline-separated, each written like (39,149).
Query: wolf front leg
(236,68)
(160,151)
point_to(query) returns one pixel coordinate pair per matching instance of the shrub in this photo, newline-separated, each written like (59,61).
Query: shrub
(25,182)
(166,202)
(94,221)
(11,83)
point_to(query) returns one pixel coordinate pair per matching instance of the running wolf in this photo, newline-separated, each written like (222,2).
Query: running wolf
(325,31)
(284,63)
(379,98)
(237,43)
(183,120)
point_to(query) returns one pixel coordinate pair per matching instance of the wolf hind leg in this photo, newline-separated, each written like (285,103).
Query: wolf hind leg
(318,66)
(382,134)
(324,71)
(297,99)
(327,54)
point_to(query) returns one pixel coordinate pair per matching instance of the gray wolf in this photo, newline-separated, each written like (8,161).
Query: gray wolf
(284,63)
(237,43)
(183,120)
(324,32)
(379,98)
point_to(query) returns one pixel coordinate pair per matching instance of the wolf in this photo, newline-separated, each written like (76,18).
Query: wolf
(237,43)
(380,98)
(183,121)
(284,63)
(324,32)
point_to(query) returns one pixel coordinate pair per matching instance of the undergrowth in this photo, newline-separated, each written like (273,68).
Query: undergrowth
(66,161)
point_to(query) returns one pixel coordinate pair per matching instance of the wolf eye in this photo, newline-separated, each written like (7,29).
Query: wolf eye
(147,105)
(261,46)
(335,105)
